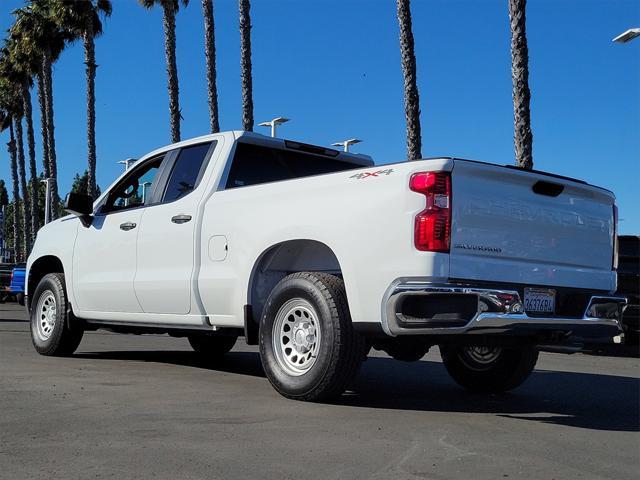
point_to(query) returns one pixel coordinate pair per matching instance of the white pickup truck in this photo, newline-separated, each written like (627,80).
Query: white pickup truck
(318,255)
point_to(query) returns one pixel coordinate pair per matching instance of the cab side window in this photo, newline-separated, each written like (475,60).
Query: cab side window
(135,189)
(186,172)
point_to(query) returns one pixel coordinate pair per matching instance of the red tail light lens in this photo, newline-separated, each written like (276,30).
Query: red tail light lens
(432,231)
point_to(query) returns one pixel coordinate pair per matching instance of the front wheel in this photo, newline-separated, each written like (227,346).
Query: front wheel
(308,347)
(488,369)
(55,330)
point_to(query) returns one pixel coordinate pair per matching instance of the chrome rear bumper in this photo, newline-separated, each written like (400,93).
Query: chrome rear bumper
(497,312)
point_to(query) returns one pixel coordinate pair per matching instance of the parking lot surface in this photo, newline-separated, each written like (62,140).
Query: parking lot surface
(131,407)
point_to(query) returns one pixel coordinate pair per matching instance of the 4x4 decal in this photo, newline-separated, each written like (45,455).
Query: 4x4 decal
(372,174)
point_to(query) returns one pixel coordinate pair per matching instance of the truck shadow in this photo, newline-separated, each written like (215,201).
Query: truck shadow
(583,400)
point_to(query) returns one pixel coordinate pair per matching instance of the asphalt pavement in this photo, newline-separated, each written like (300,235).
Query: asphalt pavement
(145,407)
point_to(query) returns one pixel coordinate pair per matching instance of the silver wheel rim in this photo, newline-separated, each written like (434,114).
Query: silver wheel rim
(296,336)
(46,315)
(480,358)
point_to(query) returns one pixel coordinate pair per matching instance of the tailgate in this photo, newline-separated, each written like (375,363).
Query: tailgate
(523,227)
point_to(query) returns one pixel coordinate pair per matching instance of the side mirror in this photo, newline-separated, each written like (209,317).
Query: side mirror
(80,205)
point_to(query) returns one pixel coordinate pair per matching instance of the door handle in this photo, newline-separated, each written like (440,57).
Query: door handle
(181,218)
(127,226)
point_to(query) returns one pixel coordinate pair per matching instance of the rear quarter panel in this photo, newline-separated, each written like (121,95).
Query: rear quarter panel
(364,217)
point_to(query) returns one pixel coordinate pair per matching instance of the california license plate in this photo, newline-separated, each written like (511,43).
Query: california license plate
(539,300)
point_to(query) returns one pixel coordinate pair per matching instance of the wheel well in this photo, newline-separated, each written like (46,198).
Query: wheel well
(283,259)
(41,267)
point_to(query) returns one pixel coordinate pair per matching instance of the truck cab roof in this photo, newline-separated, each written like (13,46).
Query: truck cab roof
(274,142)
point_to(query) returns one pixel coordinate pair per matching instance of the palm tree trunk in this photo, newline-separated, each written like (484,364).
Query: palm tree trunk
(523,137)
(16,195)
(245,65)
(411,97)
(53,168)
(210,56)
(169,24)
(22,175)
(42,95)
(31,147)
(90,61)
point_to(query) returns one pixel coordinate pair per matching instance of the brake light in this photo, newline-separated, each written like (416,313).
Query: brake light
(432,230)
(614,260)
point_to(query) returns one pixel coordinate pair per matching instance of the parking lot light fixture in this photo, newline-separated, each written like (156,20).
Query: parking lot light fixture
(627,36)
(127,162)
(346,143)
(274,123)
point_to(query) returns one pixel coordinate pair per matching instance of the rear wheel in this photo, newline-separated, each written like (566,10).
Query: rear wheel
(212,346)
(308,347)
(489,369)
(54,329)
(20,299)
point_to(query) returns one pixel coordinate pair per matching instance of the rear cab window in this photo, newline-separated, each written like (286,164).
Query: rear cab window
(257,164)
(187,171)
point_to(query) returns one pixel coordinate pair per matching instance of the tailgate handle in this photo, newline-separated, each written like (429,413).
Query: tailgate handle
(547,188)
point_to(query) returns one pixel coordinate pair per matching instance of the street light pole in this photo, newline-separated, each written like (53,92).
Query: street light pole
(47,200)
(144,191)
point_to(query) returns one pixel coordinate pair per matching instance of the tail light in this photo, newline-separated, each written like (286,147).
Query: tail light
(614,260)
(432,231)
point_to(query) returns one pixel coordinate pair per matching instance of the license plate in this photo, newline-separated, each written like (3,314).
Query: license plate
(539,300)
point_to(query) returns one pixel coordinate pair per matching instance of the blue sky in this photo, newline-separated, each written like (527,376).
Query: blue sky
(333,67)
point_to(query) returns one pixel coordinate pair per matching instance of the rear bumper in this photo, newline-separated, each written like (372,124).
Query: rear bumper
(471,310)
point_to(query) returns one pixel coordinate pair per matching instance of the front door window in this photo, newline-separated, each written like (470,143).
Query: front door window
(135,189)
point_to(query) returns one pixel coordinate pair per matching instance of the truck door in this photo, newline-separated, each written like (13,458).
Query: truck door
(104,256)
(166,239)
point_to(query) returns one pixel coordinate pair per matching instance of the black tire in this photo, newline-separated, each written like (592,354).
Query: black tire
(62,336)
(20,299)
(212,346)
(509,369)
(339,352)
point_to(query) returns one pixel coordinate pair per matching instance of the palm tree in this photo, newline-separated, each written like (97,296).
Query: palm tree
(411,97)
(169,10)
(245,65)
(523,137)
(12,105)
(25,67)
(36,28)
(210,56)
(25,206)
(81,19)
(11,146)
(7,104)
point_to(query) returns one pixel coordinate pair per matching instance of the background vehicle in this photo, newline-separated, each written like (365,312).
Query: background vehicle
(16,287)
(317,255)
(5,280)
(629,284)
